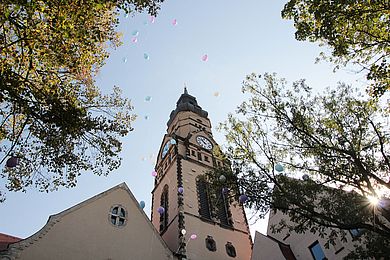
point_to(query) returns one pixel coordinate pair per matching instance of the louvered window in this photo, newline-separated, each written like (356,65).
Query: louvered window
(164,204)
(223,212)
(204,200)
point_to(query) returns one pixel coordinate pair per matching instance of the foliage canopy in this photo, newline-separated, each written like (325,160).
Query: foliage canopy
(337,141)
(54,121)
(357,31)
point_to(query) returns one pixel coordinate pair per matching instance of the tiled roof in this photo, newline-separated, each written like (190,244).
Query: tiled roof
(5,240)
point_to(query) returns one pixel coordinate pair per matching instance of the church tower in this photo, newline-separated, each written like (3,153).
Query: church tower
(190,222)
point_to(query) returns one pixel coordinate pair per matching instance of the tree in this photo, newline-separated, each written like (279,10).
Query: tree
(357,31)
(55,122)
(338,142)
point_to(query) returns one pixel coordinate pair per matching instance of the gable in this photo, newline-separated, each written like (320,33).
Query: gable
(86,231)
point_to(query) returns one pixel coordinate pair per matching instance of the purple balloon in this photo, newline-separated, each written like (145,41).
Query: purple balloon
(154,173)
(160,210)
(180,190)
(12,162)
(243,198)
(225,190)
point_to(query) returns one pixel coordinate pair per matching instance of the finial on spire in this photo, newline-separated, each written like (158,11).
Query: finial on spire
(185,88)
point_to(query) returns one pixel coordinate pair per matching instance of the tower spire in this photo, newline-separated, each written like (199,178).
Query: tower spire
(185,89)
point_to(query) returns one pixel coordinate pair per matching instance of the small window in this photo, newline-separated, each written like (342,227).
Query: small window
(206,158)
(210,244)
(316,251)
(356,232)
(164,204)
(193,153)
(199,156)
(230,250)
(118,216)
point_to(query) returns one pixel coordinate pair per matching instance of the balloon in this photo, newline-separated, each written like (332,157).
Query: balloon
(184,232)
(148,98)
(124,60)
(225,190)
(222,178)
(126,15)
(146,56)
(279,167)
(146,117)
(12,162)
(243,198)
(152,19)
(193,236)
(134,39)
(160,210)
(180,190)
(173,141)
(205,57)
(216,94)
(305,177)
(142,204)
(154,173)
(174,22)
(135,33)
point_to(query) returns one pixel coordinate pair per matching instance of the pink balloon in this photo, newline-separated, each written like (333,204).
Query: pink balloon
(154,173)
(193,236)
(174,22)
(152,19)
(205,57)
(134,39)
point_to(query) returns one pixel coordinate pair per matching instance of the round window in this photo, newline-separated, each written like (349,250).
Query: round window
(118,216)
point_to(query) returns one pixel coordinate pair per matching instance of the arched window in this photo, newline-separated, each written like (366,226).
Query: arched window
(164,204)
(203,197)
(223,211)
(213,203)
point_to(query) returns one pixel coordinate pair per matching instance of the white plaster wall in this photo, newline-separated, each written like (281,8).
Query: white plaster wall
(300,243)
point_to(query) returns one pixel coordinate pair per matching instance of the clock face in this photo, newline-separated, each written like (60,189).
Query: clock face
(204,142)
(165,149)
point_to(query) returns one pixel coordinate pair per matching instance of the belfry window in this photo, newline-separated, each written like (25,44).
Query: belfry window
(164,205)
(222,207)
(203,197)
(213,203)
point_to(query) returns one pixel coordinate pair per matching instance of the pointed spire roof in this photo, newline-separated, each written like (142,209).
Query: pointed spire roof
(187,102)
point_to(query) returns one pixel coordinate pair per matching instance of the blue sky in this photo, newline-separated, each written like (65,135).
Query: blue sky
(239,37)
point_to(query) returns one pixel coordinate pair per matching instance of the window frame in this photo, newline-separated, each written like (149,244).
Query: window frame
(164,202)
(230,249)
(211,245)
(313,245)
(118,216)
